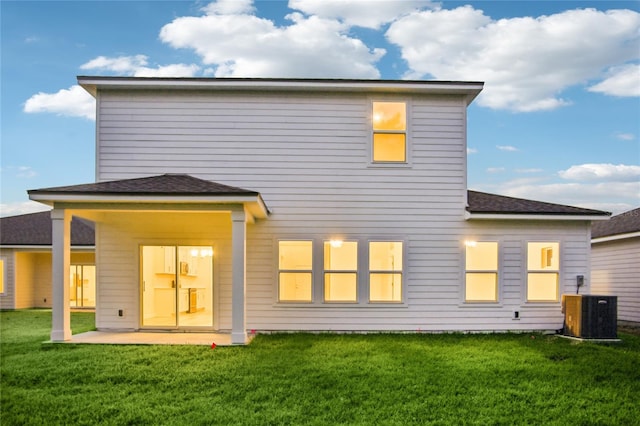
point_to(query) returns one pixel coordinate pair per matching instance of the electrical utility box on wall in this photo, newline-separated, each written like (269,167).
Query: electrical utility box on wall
(589,316)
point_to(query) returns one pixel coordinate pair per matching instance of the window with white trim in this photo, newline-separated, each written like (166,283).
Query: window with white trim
(2,274)
(543,271)
(481,264)
(295,271)
(389,132)
(385,271)
(340,271)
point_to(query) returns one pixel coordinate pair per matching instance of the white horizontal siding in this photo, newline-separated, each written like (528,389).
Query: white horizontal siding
(8,296)
(616,271)
(308,155)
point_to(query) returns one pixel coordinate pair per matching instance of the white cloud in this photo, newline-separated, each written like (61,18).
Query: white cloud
(525,62)
(120,64)
(507,148)
(495,169)
(174,70)
(243,45)
(229,7)
(472,150)
(24,207)
(362,13)
(26,172)
(71,102)
(623,81)
(602,172)
(137,66)
(625,136)
(529,170)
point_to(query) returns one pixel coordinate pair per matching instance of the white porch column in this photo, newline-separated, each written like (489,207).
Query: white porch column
(60,257)
(238,277)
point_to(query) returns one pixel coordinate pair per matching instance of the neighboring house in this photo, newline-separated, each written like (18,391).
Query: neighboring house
(615,263)
(25,262)
(286,204)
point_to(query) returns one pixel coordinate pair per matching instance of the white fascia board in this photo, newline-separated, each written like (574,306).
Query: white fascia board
(471,89)
(88,198)
(615,237)
(496,216)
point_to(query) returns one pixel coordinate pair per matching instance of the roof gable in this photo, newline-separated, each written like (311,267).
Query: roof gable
(35,230)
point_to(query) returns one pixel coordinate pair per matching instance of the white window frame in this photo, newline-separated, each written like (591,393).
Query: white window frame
(295,271)
(556,272)
(401,272)
(407,141)
(4,260)
(483,271)
(355,271)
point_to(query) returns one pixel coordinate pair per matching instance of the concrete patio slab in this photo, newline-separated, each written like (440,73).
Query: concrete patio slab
(151,338)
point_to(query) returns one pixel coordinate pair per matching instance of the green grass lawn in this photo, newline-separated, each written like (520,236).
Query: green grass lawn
(323,379)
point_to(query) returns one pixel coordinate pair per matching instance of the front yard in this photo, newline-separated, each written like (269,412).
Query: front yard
(317,379)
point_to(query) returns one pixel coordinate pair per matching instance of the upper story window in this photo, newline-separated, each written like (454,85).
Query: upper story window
(481,282)
(389,132)
(543,271)
(340,271)
(295,266)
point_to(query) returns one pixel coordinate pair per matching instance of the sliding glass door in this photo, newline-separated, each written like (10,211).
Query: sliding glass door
(177,286)
(82,286)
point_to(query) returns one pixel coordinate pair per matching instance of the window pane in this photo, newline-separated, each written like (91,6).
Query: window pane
(295,286)
(295,255)
(389,147)
(1,275)
(542,287)
(341,256)
(385,256)
(385,287)
(482,256)
(340,287)
(389,116)
(543,256)
(481,287)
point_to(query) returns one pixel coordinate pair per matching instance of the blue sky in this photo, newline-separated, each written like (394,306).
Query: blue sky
(558,120)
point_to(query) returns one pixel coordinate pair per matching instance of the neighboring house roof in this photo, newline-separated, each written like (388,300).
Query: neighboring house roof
(481,204)
(35,230)
(624,225)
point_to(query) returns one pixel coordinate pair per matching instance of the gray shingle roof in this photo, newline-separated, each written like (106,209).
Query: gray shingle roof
(35,230)
(167,184)
(481,202)
(624,223)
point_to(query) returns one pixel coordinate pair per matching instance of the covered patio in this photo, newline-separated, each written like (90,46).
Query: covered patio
(153,338)
(143,199)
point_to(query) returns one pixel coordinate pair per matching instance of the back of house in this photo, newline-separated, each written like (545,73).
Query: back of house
(268,204)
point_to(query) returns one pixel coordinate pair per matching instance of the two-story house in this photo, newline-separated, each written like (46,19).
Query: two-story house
(292,204)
